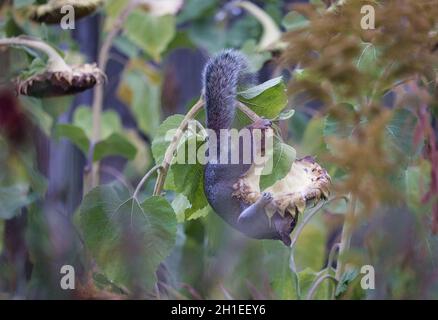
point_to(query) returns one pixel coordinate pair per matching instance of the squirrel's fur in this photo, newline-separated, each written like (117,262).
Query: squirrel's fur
(222,76)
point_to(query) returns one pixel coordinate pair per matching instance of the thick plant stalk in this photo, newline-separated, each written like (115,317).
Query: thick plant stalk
(170,152)
(347,231)
(99,91)
(55,64)
(317,283)
(325,274)
(249,113)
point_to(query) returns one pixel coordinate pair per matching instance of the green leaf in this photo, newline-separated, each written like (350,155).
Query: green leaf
(129,49)
(75,134)
(266,99)
(334,127)
(179,205)
(9,26)
(346,279)
(298,125)
(181,40)
(37,114)
(103,283)
(200,213)
(417,181)
(188,179)
(343,129)
(128,240)
(13,198)
(115,144)
(110,122)
(164,136)
(285,286)
(37,66)
(56,106)
(282,158)
(368,61)
(306,279)
(150,33)
(285,115)
(114,7)
(193,9)
(283,281)
(145,99)
(310,249)
(256,91)
(400,132)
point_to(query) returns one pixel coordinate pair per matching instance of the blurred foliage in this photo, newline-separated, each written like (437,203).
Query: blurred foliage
(381,155)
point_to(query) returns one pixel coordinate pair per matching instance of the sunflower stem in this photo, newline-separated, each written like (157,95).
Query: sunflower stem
(55,63)
(93,180)
(170,151)
(318,282)
(347,231)
(248,112)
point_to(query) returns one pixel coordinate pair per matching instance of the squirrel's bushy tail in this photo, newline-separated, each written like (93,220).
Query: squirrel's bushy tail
(221,77)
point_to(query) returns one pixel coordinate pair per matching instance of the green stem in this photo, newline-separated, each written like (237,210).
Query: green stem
(248,112)
(55,64)
(144,179)
(98,91)
(347,231)
(170,151)
(332,255)
(318,282)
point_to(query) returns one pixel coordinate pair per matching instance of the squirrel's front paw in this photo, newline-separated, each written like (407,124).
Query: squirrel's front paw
(256,209)
(262,124)
(266,198)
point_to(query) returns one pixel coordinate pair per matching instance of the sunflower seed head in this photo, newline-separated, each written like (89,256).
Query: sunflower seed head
(60,83)
(305,185)
(51,12)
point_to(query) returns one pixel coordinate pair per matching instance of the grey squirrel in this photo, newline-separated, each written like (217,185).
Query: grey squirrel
(223,74)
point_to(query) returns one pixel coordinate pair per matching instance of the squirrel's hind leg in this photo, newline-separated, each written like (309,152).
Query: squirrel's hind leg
(255,215)
(254,211)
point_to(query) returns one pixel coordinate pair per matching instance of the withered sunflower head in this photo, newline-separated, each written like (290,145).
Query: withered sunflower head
(51,11)
(305,185)
(59,83)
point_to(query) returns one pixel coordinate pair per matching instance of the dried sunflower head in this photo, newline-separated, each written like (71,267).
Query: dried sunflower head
(59,83)
(305,185)
(51,11)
